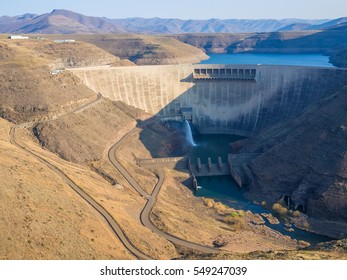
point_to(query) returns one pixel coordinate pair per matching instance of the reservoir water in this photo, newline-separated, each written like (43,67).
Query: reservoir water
(224,188)
(269,59)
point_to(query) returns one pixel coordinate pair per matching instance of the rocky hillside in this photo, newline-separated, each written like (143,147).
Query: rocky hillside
(339,57)
(294,42)
(77,138)
(332,41)
(274,42)
(28,90)
(242,42)
(306,160)
(77,54)
(212,43)
(42,217)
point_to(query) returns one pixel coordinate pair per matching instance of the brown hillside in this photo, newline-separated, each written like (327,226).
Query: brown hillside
(142,49)
(27,88)
(42,218)
(77,54)
(83,137)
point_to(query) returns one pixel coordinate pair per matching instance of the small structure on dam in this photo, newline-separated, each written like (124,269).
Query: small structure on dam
(227,73)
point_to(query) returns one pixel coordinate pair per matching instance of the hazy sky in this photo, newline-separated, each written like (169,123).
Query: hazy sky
(185,9)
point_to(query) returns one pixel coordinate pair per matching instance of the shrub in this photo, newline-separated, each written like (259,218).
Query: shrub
(209,202)
(241,213)
(235,222)
(306,225)
(221,208)
(234,214)
(296,213)
(280,210)
(237,213)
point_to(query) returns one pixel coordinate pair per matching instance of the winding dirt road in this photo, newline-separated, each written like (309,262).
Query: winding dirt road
(151,199)
(102,211)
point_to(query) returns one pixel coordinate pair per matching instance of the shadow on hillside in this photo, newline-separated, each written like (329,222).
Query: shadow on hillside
(326,42)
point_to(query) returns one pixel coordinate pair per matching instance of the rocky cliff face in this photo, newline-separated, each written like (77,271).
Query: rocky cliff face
(305,159)
(332,41)
(339,58)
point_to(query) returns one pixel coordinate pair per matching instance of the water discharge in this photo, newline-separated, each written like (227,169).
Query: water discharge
(188,132)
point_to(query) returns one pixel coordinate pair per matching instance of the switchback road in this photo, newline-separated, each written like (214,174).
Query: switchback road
(151,199)
(102,211)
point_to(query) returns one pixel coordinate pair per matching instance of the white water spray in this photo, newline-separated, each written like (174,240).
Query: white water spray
(188,132)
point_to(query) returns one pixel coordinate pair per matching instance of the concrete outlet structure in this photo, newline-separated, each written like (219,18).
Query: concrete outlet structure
(231,99)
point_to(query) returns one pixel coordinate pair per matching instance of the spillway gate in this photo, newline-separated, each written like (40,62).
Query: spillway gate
(197,169)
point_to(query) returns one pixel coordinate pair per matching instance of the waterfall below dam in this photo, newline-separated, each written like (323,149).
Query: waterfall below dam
(188,132)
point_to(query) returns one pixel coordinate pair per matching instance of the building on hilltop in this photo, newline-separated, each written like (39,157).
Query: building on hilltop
(16,37)
(64,41)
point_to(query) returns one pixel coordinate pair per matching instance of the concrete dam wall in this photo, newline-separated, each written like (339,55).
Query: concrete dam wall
(234,99)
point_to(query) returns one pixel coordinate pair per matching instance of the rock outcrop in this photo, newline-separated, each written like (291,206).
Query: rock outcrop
(305,159)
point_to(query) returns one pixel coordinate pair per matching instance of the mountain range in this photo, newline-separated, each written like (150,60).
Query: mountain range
(68,22)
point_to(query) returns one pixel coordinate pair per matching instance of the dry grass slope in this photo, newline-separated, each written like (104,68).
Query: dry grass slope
(84,137)
(42,218)
(143,49)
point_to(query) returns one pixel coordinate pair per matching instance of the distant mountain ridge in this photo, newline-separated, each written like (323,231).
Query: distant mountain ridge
(177,26)
(57,22)
(68,22)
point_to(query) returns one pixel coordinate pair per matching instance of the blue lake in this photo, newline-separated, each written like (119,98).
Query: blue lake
(269,59)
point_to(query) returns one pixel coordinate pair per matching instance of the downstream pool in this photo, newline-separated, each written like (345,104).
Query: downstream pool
(225,190)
